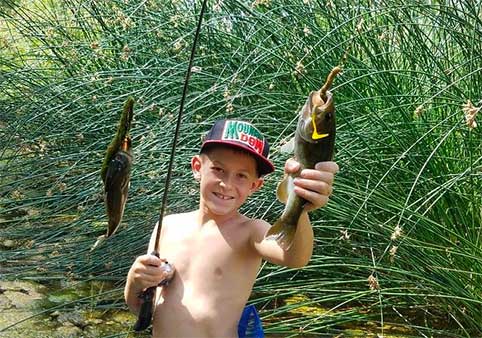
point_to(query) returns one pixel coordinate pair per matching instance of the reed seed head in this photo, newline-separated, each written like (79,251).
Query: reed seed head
(373,283)
(397,232)
(470,112)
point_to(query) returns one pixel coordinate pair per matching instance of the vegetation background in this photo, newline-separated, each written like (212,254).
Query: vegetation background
(399,246)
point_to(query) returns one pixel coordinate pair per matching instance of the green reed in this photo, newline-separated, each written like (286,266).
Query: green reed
(399,244)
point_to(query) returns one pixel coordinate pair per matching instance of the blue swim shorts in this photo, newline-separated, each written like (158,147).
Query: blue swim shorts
(250,325)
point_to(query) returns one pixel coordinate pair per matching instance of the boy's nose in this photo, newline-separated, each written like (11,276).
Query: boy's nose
(226,182)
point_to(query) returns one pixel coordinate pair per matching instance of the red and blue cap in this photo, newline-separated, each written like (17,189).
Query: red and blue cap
(242,135)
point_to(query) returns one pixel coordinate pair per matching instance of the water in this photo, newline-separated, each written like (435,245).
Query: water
(31,309)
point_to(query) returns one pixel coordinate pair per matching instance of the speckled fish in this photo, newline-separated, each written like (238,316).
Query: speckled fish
(116,172)
(313,142)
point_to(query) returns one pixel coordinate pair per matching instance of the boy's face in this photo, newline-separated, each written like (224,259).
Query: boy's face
(227,178)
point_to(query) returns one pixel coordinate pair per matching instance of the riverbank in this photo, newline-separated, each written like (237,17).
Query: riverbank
(30,309)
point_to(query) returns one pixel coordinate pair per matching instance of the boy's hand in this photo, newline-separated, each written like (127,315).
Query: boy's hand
(148,270)
(314,185)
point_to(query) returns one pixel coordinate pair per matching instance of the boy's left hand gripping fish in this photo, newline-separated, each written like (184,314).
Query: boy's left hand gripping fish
(116,172)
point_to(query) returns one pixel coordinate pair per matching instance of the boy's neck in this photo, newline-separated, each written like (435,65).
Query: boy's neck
(204,216)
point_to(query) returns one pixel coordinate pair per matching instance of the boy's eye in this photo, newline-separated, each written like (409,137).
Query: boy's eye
(218,169)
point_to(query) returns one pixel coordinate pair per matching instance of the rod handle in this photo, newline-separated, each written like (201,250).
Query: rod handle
(145,313)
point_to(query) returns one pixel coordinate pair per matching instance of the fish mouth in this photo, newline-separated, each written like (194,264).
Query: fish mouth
(315,124)
(222,196)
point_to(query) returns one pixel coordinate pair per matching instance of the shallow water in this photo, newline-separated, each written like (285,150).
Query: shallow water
(30,309)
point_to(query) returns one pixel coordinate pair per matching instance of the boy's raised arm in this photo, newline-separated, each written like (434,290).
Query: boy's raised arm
(315,186)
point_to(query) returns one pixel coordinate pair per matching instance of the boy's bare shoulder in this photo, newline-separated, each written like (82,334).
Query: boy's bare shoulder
(191,213)
(175,217)
(257,226)
(255,222)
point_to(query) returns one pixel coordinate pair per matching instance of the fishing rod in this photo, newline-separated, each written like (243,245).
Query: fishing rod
(147,297)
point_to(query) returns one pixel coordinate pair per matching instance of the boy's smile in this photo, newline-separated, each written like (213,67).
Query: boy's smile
(227,178)
(223,197)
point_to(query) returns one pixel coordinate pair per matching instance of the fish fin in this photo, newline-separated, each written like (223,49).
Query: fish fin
(100,239)
(288,147)
(282,190)
(113,226)
(282,233)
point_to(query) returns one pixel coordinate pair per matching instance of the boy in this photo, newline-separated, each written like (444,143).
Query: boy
(216,251)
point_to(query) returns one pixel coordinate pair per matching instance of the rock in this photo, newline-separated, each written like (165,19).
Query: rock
(55,314)
(21,294)
(68,331)
(5,303)
(74,318)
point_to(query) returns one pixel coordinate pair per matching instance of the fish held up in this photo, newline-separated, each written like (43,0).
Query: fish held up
(313,142)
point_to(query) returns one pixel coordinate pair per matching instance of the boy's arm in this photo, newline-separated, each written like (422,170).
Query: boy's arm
(145,272)
(314,185)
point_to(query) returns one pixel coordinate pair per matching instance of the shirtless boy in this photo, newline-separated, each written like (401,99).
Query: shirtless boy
(216,251)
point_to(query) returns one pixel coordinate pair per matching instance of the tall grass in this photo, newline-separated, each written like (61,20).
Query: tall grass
(399,243)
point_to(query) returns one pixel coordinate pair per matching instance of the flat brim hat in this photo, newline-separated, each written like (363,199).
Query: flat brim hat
(242,135)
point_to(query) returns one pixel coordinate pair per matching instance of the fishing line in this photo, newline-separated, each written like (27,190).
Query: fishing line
(147,297)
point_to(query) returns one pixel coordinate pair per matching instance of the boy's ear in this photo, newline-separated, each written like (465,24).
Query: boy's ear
(196,167)
(256,185)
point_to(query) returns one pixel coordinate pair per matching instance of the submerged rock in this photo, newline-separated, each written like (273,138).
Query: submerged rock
(68,331)
(20,294)
(24,312)
(73,318)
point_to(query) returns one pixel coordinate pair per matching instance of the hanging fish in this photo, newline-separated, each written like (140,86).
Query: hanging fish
(313,142)
(116,172)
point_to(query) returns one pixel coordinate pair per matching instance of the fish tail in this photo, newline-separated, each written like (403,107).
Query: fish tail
(100,239)
(283,233)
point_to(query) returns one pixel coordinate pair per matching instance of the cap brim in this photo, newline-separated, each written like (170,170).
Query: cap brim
(264,165)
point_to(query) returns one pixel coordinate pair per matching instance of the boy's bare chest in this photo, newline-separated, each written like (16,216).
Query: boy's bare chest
(209,251)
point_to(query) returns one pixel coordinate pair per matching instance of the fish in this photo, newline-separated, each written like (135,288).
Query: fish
(313,142)
(116,172)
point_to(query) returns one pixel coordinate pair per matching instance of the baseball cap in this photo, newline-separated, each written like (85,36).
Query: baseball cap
(242,135)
